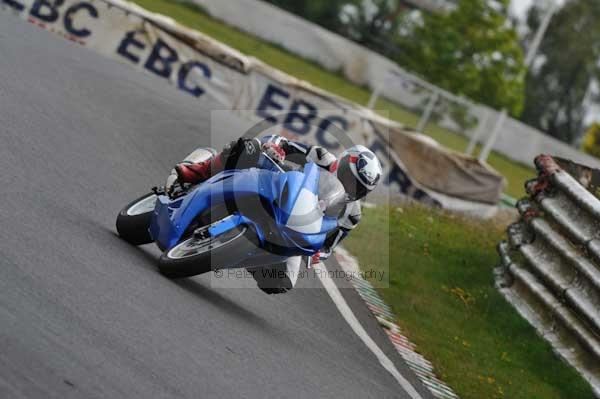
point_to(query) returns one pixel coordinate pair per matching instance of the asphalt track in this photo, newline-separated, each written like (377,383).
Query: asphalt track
(85,315)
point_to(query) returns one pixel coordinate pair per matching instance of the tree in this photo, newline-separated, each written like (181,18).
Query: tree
(374,24)
(322,12)
(472,50)
(566,64)
(371,23)
(591,140)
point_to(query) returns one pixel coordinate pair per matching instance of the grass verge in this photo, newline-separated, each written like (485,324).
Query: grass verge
(193,17)
(441,288)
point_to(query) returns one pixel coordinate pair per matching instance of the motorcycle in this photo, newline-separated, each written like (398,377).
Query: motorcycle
(258,218)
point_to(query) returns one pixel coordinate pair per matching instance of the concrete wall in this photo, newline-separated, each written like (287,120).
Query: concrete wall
(522,143)
(362,66)
(301,37)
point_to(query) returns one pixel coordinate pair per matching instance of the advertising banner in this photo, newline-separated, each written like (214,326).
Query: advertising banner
(202,67)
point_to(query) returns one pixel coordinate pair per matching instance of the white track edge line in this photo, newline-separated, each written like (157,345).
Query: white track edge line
(358,329)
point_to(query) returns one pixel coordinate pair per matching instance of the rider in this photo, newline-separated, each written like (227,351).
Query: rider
(357,168)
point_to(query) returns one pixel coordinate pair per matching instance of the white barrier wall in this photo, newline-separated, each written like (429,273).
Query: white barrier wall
(521,142)
(201,66)
(363,66)
(334,52)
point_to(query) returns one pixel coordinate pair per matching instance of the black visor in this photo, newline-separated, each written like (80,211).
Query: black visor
(355,189)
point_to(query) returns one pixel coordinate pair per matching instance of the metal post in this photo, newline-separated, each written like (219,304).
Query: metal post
(539,35)
(377,92)
(480,129)
(487,148)
(531,53)
(428,111)
(374,97)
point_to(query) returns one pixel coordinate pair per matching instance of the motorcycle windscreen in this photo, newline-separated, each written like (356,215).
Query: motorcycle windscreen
(305,224)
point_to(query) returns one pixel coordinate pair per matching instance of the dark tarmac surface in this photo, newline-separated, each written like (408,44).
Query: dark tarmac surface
(85,315)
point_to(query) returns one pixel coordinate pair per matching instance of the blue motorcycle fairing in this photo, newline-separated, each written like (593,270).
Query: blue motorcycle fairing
(281,190)
(160,225)
(170,222)
(229,223)
(287,197)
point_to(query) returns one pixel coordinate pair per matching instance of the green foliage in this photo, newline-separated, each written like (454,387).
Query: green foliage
(322,12)
(371,23)
(458,113)
(591,141)
(374,24)
(441,288)
(473,51)
(568,55)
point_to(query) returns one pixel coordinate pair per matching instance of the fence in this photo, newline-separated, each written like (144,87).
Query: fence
(516,140)
(550,266)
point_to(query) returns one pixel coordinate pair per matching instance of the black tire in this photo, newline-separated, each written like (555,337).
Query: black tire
(268,279)
(134,228)
(241,243)
(274,290)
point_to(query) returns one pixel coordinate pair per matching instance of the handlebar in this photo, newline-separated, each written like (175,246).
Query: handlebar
(273,162)
(286,166)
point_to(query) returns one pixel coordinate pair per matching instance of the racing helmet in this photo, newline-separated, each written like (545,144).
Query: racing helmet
(359,171)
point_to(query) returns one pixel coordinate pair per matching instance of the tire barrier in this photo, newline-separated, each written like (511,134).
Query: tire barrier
(550,265)
(386,318)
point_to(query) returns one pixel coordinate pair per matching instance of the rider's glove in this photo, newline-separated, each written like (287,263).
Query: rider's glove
(274,151)
(175,190)
(321,157)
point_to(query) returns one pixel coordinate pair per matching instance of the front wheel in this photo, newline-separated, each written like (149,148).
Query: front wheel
(197,255)
(134,220)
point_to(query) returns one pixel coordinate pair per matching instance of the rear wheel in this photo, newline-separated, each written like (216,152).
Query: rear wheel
(134,220)
(196,255)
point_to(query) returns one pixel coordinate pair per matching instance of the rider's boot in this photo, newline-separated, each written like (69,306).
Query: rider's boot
(198,156)
(279,278)
(195,172)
